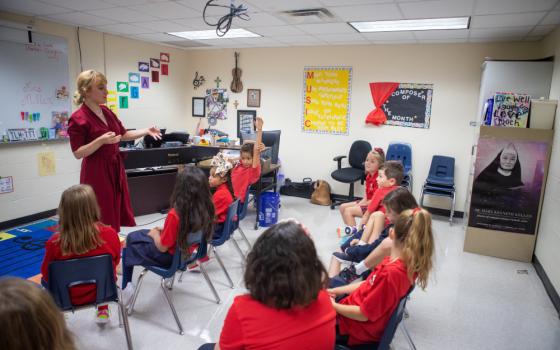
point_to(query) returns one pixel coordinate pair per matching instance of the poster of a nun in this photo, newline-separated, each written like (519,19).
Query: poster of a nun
(507,184)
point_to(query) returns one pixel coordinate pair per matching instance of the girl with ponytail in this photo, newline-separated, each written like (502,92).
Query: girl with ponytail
(363,315)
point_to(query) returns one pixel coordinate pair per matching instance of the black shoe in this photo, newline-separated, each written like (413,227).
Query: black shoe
(342,257)
(349,274)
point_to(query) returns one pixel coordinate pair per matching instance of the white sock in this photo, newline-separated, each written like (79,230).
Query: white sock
(360,268)
(360,242)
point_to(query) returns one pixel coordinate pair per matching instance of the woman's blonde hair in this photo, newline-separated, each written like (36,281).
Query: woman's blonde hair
(29,318)
(413,230)
(85,81)
(79,217)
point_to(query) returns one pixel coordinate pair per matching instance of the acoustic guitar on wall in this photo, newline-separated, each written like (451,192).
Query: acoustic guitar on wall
(236,84)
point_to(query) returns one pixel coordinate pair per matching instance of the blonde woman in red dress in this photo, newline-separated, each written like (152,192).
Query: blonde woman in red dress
(95,133)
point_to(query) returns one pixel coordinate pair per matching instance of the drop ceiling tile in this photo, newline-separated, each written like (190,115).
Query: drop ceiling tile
(487,7)
(32,7)
(327,28)
(506,39)
(441,34)
(131,2)
(196,23)
(80,19)
(282,5)
(122,15)
(552,17)
(437,9)
(220,43)
(367,12)
(277,31)
(443,41)
(122,28)
(335,3)
(342,38)
(490,33)
(80,5)
(542,30)
(257,42)
(296,39)
(260,19)
(161,26)
(167,10)
(508,20)
(384,36)
(393,42)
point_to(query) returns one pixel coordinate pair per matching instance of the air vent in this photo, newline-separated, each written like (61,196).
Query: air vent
(313,15)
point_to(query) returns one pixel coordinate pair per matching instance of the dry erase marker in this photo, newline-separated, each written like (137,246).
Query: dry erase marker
(22,115)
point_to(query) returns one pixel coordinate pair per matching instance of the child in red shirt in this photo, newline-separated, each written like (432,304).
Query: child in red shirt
(81,234)
(248,170)
(351,210)
(286,307)
(389,178)
(220,181)
(363,315)
(190,217)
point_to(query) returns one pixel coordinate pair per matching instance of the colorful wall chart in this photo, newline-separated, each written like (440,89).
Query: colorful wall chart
(326,100)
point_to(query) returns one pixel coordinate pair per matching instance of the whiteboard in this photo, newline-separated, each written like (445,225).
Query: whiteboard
(35,91)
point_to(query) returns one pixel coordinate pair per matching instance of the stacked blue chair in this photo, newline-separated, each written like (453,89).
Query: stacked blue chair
(241,214)
(441,181)
(64,274)
(402,152)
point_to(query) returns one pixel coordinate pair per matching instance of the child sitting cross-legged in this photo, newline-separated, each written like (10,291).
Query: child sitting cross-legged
(351,210)
(389,177)
(394,203)
(81,234)
(363,314)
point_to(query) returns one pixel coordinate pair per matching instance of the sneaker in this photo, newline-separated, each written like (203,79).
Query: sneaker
(102,316)
(342,257)
(128,293)
(346,230)
(194,265)
(349,274)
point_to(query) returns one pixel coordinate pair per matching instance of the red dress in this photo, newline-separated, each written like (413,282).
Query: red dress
(103,170)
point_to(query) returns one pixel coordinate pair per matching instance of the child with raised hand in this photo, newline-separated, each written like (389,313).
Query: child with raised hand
(224,195)
(363,315)
(286,306)
(81,234)
(191,216)
(352,210)
(248,170)
(29,318)
(394,203)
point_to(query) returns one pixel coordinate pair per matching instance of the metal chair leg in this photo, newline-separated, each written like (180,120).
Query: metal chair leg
(181,276)
(222,266)
(168,298)
(138,285)
(422,197)
(238,248)
(407,336)
(245,237)
(452,210)
(209,282)
(123,314)
(168,284)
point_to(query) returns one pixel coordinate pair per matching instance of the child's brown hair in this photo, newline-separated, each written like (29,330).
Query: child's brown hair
(29,318)
(79,216)
(413,230)
(393,170)
(399,200)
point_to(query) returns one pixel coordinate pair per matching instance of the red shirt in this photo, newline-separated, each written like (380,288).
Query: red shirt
(377,297)
(371,185)
(103,170)
(222,198)
(111,245)
(377,199)
(242,177)
(168,235)
(250,325)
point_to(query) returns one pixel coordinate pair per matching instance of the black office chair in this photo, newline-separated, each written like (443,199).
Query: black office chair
(356,171)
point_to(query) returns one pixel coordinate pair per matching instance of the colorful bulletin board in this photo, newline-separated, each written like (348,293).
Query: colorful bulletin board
(326,100)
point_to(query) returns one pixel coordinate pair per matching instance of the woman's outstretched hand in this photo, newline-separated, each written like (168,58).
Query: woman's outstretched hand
(154,132)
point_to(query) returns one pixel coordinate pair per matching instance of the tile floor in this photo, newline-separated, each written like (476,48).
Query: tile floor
(472,301)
